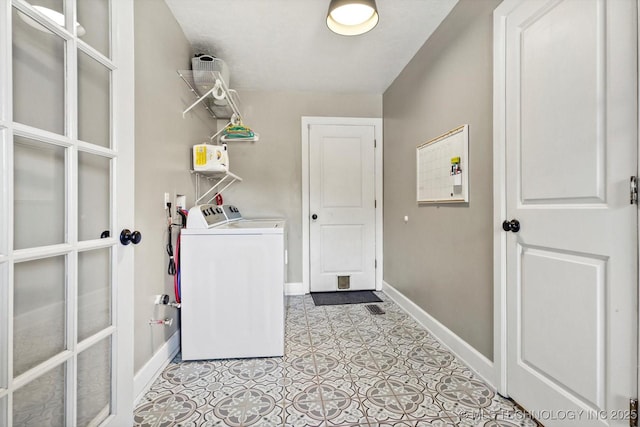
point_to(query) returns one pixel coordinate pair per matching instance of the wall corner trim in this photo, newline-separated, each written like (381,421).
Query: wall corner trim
(475,360)
(294,288)
(145,377)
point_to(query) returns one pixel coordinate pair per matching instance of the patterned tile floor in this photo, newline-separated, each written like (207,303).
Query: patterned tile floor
(342,367)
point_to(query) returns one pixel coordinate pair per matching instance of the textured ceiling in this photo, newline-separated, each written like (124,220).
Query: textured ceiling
(285,44)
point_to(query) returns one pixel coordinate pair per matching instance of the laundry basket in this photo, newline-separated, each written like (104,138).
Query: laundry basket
(202,66)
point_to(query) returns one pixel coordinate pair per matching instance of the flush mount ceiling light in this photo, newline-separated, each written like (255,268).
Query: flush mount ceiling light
(352,17)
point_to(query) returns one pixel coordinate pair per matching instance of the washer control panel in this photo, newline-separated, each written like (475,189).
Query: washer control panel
(205,216)
(231,212)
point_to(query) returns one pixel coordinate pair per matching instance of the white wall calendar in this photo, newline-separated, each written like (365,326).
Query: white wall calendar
(442,168)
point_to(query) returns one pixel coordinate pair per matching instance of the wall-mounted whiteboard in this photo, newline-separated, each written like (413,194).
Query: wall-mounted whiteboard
(439,178)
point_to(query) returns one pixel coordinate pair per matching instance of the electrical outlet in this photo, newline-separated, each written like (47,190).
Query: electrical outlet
(167,200)
(181,201)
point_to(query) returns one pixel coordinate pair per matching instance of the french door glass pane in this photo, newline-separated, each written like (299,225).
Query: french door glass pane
(94,292)
(94,383)
(41,402)
(3,409)
(38,75)
(39,307)
(93,15)
(4,329)
(39,193)
(56,5)
(94,178)
(4,244)
(94,101)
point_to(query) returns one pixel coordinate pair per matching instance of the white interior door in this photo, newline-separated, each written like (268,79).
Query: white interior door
(342,207)
(571,147)
(67,149)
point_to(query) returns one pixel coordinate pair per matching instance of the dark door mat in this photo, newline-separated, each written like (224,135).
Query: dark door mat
(344,297)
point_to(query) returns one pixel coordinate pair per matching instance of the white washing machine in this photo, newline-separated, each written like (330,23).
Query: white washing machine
(232,285)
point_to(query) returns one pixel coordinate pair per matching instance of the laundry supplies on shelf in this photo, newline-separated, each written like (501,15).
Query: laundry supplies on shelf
(211,162)
(202,65)
(210,158)
(208,81)
(238,132)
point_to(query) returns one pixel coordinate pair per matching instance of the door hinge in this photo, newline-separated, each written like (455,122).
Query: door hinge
(375,203)
(633,412)
(375,143)
(633,190)
(375,263)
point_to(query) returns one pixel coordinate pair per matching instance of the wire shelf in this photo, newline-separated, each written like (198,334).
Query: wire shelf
(210,90)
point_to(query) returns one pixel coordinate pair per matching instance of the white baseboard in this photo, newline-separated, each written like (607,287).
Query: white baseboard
(467,354)
(294,289)
(145,377)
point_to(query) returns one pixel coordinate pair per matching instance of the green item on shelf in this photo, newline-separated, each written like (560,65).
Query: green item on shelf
(238,131)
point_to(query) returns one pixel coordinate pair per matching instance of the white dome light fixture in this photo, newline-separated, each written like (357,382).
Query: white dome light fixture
(352,17)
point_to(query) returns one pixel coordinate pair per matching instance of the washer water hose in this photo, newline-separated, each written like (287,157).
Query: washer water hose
(173,268)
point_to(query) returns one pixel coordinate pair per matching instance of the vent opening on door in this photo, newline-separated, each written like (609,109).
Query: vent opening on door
(344,282)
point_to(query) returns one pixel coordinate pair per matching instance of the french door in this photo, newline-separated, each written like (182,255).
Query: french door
(66,135)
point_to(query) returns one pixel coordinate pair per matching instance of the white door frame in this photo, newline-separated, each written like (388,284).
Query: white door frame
(124,142)
(638,71)
(500,196)
(348,121)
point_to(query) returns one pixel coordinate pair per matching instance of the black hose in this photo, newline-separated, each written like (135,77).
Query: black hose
(171,269)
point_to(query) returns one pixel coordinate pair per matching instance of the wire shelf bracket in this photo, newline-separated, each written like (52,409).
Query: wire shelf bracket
(225,180)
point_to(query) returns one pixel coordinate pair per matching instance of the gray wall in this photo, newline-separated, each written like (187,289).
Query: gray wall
(271,169)
(442,258)
(163,140)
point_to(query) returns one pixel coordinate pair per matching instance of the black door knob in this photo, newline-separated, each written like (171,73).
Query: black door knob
(136,237)
(513,225)
(314,217)
(126,237)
